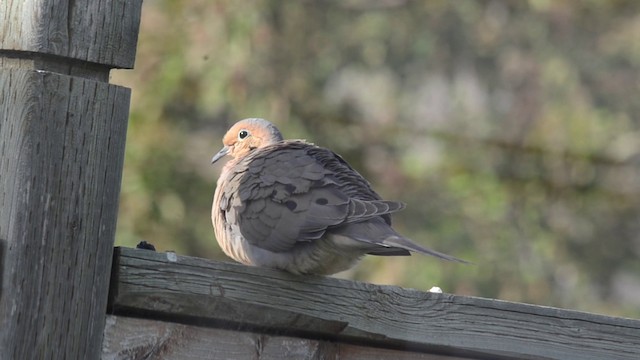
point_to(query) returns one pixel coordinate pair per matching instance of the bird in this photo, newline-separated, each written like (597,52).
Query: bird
(298,207)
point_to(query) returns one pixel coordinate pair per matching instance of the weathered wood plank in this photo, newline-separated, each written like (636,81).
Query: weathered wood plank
(128,338)
(61,153)
(101,32)
(221,293)
(62,134)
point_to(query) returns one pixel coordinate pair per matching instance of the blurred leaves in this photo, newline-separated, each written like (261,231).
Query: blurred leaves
(511,130)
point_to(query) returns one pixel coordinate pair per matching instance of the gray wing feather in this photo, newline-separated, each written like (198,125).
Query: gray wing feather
(295,192)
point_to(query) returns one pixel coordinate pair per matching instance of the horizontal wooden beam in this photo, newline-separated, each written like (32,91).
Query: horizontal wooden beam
(198,291)
(128,338)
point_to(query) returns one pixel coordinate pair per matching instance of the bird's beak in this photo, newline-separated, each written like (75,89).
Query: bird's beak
(224,151)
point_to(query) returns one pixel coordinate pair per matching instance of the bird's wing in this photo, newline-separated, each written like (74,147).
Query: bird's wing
(294,192)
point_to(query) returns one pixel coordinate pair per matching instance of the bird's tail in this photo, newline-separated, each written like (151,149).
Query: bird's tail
(398,241)
(378,238)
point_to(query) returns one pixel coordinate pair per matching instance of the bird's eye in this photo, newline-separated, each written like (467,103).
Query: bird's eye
(243,134)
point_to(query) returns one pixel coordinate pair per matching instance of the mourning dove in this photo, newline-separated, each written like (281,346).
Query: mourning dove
(291,205)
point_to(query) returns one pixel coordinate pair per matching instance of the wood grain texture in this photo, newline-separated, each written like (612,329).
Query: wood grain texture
(223,294)
(132,339)
(61,153)
(102,32)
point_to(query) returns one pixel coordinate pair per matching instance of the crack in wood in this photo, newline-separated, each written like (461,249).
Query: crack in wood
(53,63)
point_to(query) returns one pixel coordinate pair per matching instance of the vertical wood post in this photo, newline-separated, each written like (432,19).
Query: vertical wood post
(62,135)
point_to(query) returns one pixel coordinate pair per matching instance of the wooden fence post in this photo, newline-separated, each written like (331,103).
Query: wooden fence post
(62,135)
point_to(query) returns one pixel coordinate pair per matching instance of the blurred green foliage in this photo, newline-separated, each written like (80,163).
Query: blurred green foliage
(511,130)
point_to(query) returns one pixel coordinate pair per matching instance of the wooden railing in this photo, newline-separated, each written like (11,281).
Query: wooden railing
(176,307)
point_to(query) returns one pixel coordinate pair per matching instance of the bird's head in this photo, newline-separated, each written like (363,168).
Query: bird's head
(247,135)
